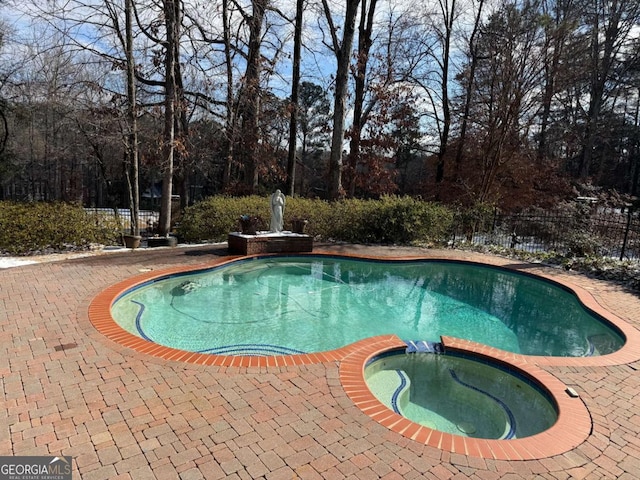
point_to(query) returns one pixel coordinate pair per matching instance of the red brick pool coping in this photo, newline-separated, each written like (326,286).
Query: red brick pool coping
(571,429)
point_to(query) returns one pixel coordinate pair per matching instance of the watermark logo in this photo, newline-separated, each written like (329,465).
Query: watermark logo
(35,468)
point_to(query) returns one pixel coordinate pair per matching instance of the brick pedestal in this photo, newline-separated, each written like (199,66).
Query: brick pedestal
(240,244)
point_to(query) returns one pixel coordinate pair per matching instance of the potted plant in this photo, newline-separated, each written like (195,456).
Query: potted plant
(131,241)
(298,224)
(249,224)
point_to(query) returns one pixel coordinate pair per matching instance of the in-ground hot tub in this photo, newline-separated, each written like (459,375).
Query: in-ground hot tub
(465,398)
(460,394)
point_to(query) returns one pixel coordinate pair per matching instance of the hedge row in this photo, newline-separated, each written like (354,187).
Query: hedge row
(42,227)
(400,220)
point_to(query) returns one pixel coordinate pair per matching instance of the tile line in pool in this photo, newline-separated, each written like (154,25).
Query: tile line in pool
(141,309)
(425,347)
(398,391)
(251,349)
(512,420)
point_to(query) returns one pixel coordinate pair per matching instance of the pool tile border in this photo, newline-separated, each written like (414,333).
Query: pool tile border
(570,430)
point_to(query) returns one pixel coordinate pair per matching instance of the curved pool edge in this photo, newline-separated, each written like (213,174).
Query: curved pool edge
(572,427)
(99,313)
(630,351)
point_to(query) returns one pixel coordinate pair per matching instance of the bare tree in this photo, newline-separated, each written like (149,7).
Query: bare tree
(131,139)
(173,18)
(559,25)
(468,83)
(230,112)
(249,101)
(365,40)
(45,94)
(435,80)
(611,23)
(342,51)
(295,90)
(4,74)
(448,14)
(503,108)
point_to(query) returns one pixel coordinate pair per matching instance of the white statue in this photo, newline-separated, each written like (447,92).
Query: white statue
(277,211)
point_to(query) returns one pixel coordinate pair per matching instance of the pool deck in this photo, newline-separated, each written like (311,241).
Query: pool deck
(122,414)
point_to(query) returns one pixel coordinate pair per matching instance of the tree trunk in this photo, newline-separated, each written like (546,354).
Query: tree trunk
(343,56)
(295,108)
(448,16)
(230,121)
(132,121)
(551,68)
(605,46)
(182,167)
(469,88)
(364,47)
(172,19)
(250,102)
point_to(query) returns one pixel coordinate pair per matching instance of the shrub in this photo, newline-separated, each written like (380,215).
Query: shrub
(36,227)
(212,219)
(469,220)
(32,227)
(583,244)
(317,212)
(400,220)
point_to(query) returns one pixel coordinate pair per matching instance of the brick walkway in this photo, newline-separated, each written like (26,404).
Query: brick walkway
(68,390)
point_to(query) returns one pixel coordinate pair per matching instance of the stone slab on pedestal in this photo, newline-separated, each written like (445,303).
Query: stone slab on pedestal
(283,242)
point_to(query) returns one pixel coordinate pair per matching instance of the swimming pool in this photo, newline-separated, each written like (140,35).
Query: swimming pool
(314,303)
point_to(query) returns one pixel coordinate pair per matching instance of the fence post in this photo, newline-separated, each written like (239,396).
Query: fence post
(626,234)
(495,219)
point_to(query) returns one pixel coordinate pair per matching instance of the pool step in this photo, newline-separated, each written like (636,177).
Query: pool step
(423,346)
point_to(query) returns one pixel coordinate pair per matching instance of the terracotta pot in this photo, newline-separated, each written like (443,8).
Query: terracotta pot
(131,241)
(249,225)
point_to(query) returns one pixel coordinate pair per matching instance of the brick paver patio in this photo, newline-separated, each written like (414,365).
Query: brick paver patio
(66,389)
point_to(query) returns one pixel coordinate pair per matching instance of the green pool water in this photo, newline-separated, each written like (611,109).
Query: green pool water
(460,395)
(276,305)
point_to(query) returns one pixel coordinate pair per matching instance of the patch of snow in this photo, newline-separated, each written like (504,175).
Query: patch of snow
(9,262)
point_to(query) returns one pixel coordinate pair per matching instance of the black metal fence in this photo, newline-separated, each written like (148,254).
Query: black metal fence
(147,219)
(610,232)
